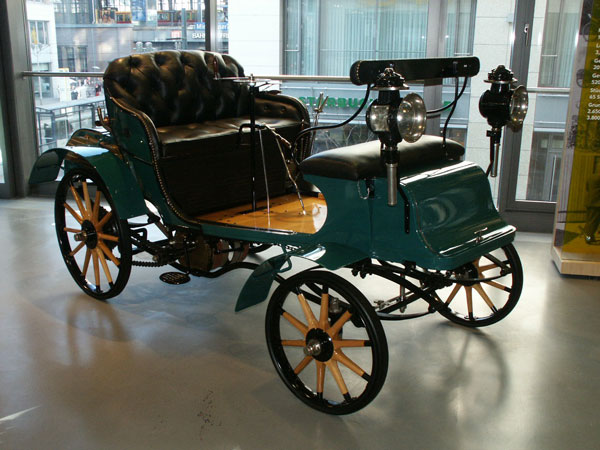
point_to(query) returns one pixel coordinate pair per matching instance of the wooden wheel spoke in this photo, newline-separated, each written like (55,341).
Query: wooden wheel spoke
(86,263)
(104,265)
(498,286)
(339,356)
(337,326)
(72,230)
(96,268)
(293,343)
(96,210)
(341,343)
(295,322)
(108,237)
(82,210)
(324,315)
(305,362)
(485,297)
(76,249)
(453,294)
(104,220)
(76,216)
(320,377)
(87,199)
(310,317)
(487,267)
(332,365)
(108,253)
(469,291)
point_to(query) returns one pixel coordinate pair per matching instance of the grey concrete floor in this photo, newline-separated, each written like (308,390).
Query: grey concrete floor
(175,368)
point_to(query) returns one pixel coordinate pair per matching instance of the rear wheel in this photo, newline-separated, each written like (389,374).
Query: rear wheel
(94,241)
(486,290)
(326,342)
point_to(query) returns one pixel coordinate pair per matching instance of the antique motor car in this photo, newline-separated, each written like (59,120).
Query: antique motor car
(220,168)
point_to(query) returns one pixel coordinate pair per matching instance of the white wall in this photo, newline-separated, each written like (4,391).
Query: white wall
(254,35)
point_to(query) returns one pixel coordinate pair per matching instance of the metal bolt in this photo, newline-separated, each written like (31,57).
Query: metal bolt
(335,305)
(313,348)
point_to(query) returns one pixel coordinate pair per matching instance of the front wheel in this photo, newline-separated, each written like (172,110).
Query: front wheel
(485,291)
(94,242)
(306,318)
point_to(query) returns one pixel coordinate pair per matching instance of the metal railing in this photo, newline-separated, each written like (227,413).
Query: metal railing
(270,77)
(321,78)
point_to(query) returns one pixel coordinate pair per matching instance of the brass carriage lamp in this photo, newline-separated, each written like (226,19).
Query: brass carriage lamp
(393,118)
(502,104)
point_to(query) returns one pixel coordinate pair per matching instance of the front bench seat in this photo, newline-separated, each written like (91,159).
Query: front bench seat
(362,161)
(197,118)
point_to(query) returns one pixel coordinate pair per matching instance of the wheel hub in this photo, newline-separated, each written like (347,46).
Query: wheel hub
(88,234)
(468,271)
(319,345)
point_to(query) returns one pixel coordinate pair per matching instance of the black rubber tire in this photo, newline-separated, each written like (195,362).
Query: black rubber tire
(363,322)
(96,284)
(504,300)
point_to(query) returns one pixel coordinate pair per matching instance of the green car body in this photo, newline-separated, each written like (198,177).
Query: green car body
(445,218)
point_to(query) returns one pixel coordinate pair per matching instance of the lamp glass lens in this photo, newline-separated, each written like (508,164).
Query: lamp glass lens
(378,118)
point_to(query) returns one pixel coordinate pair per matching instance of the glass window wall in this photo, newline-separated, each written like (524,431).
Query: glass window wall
(85,35)
(551,62)
(326,37)
(317,38)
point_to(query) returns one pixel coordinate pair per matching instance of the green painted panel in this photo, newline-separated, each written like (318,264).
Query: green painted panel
(452,218)
(115,173)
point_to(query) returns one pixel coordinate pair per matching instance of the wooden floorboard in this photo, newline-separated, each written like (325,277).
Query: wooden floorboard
(285,213)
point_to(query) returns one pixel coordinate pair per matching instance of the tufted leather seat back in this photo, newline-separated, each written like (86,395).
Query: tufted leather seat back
(178,87)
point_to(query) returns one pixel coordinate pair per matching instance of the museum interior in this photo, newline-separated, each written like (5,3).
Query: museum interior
(362,162)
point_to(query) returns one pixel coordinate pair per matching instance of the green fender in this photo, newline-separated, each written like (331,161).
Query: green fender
(332,256)
(118,178)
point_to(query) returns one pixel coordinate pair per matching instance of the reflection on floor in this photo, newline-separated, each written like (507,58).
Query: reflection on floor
(285,213)
(174,367)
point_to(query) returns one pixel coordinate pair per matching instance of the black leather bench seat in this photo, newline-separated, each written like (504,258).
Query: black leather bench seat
(362,161)
(211,135)
(197,110)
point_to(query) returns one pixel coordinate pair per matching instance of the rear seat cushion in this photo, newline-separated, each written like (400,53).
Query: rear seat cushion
(181,140)
(361,161)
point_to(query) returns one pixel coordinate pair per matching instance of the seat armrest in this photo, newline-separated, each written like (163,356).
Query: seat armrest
(281,106)
(284,106)
(129,138)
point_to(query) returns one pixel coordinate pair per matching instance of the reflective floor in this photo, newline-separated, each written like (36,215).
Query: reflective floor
(174,367)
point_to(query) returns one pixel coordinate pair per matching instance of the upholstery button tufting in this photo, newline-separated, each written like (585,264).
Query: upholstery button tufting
(176,88)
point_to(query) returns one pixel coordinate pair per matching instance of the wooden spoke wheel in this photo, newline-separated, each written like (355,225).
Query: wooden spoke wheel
(476,303)
(326,342)
(94,242)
